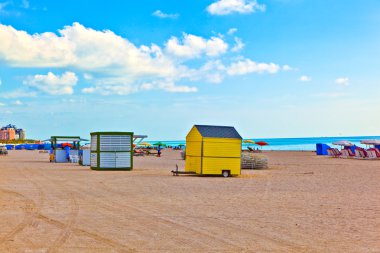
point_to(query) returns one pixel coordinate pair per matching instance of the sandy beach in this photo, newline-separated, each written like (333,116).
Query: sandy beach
(302,203)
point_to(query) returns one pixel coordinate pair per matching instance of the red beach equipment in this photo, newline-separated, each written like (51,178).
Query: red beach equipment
(261,143)
(66,144)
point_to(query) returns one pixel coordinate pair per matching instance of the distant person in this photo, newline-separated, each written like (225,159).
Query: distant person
(67,148)
(159,151)
(51,151)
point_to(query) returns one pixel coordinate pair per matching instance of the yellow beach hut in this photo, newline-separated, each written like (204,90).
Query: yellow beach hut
(213,150)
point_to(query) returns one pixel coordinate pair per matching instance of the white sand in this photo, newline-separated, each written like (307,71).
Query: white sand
(303,203)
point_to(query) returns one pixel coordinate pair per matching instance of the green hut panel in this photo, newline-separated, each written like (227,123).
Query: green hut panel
(112,151)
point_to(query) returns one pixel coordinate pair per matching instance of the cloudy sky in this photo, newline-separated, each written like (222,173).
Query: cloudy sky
(271,68)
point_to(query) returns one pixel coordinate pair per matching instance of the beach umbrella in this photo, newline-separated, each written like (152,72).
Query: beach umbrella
(370,142)
(248,142)
(261,143)
(343,143)
(159,144)
(144,144)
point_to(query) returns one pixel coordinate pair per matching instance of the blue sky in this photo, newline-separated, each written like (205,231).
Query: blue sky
(271,68)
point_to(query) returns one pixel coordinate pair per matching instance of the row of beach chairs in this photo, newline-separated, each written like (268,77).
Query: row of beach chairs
(360,153)
(143,152)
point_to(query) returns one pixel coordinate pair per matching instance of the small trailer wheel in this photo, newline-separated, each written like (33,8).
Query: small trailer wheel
(226,173)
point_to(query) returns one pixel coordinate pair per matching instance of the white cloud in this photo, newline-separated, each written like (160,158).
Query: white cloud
(111,88)
(87,76)
(212,71)
(239,45)
(160,14)
(193,46)
(2,104)
(215,71)
(6,112)
(225,7)
(114,64)
(342,81)
(305,78)
(19,93)
(171,87)
(287,68)
(79,47)
(232,31)
(89,90)
(18,102)
(53,84)
(1,82)
(92,51)
(246,66)
(331,95)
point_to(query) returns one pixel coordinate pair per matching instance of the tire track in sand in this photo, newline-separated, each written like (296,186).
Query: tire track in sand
(29,210)
(82,232)
(167,219)
(73,214)
(69,227)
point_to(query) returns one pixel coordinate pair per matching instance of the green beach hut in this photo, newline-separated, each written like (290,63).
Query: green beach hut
(111,151)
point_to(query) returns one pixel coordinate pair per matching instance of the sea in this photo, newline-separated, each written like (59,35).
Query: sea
(293,144)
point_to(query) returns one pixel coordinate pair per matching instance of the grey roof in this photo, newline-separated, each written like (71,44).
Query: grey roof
(218,131)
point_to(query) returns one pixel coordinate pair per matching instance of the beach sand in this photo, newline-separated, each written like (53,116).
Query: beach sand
(302,203)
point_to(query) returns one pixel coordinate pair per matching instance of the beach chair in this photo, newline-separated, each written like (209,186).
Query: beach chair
(149,152)
(74,158)
(360,153)
(373,153)
(377,151)
(350,152)
(138,152)
(330,152)
(337,152)
(333,152)
(345,154)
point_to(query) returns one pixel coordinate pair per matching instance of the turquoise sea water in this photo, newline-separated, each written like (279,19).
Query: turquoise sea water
(291,143)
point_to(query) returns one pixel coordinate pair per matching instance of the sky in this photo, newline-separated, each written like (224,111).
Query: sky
(271,68)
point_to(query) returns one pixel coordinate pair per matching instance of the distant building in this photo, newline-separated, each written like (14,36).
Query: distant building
(11,132)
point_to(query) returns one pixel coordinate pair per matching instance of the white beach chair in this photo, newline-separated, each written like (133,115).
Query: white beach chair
(330,152)
(74,158)
(357,154)
(360,154)
(371,154)
(345,153)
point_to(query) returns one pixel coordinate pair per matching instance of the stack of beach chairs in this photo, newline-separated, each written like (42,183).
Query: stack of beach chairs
(360,153)
(253,161)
